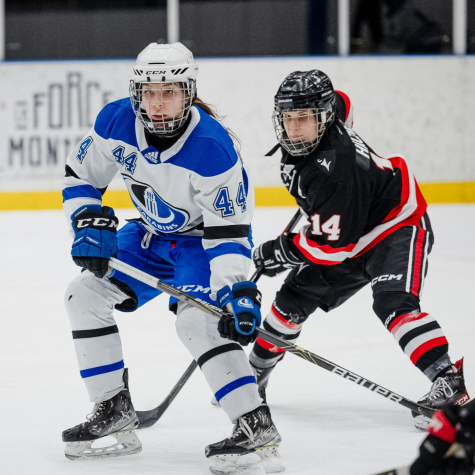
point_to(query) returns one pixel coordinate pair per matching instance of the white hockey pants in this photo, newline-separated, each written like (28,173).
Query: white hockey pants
(90,303)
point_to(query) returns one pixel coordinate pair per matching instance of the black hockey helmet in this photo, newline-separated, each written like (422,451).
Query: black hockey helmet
(304,90)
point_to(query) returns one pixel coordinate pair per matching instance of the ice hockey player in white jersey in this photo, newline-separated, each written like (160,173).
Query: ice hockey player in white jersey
(193,193)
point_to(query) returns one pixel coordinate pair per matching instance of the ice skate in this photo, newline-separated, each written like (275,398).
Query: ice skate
(448,389)
(251,449)
(115,417)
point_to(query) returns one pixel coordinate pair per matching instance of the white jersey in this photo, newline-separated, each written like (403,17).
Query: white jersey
(199,186)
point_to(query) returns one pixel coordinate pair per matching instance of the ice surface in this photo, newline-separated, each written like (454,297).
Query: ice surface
(329,425)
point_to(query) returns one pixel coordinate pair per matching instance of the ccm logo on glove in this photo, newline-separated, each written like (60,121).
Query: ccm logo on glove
(95,240)
(99,222)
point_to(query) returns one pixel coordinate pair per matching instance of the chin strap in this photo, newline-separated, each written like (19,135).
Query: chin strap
(271,152)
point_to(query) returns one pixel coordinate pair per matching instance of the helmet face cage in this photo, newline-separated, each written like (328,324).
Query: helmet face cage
(320,118)
(177,111)
(306,101)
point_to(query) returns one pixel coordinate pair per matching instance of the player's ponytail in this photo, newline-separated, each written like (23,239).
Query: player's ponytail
(211,111)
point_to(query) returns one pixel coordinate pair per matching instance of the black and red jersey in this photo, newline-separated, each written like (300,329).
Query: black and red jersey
(344,108)
(353,198)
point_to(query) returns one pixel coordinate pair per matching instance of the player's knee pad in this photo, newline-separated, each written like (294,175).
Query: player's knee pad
(223,363)
(284,320)
(293,306)
(388,305)
(89,300)
(197,330)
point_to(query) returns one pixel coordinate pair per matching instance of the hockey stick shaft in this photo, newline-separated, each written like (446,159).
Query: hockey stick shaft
(396,471)
(148,418)
(269,337)
(260,270)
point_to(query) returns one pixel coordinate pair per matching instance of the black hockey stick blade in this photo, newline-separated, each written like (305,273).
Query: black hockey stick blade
(269,337)
(396,471)
(148,418)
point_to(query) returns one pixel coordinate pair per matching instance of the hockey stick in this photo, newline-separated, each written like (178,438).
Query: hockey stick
(397,471)
(148,418)
(269,337)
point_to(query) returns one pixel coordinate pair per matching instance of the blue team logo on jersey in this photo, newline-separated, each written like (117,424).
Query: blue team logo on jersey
(154,210)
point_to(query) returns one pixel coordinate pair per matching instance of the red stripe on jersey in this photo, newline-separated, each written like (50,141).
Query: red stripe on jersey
(425,347)
(269,346)
(311,258)
(281,319)
(412,220)
(398,162)
(442,428)
(328,249)
(406,318)
(418,257)
(347,103)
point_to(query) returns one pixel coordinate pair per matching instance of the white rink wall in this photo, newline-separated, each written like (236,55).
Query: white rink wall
(419,106)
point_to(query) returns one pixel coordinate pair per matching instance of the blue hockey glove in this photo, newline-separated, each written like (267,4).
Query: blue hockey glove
(95,241)
(245,302)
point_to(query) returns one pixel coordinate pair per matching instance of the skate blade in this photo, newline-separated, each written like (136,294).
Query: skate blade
(265,459)
(422,423)
(127,444)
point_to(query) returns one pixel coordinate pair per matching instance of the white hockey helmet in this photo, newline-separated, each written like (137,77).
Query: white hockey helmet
(164,64)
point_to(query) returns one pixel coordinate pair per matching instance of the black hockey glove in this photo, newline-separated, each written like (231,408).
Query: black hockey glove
(245,303)
(277,256)
(449,449)
(95,241)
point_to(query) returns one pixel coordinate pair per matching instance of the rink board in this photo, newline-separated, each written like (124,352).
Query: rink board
(417,106)
(275,196)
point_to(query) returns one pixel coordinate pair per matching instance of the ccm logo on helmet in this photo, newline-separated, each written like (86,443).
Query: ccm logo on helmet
(99,222)
(383,278)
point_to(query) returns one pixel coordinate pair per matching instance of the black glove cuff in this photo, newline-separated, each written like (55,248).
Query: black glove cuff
(291,253)
(250,293)
(432,452)
(96,221)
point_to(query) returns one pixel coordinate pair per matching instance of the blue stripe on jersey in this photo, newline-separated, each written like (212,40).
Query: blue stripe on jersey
(208,151)
(228,248)
(81,191)
(108,368)
(234,385)
(116,121)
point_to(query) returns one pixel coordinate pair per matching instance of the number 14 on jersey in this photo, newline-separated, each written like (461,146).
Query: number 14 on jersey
(331,227)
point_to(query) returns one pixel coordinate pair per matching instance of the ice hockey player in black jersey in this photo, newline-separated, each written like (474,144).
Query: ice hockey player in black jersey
(367,224)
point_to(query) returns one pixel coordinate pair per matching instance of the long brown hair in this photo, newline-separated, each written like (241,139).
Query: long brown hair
(211,111)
